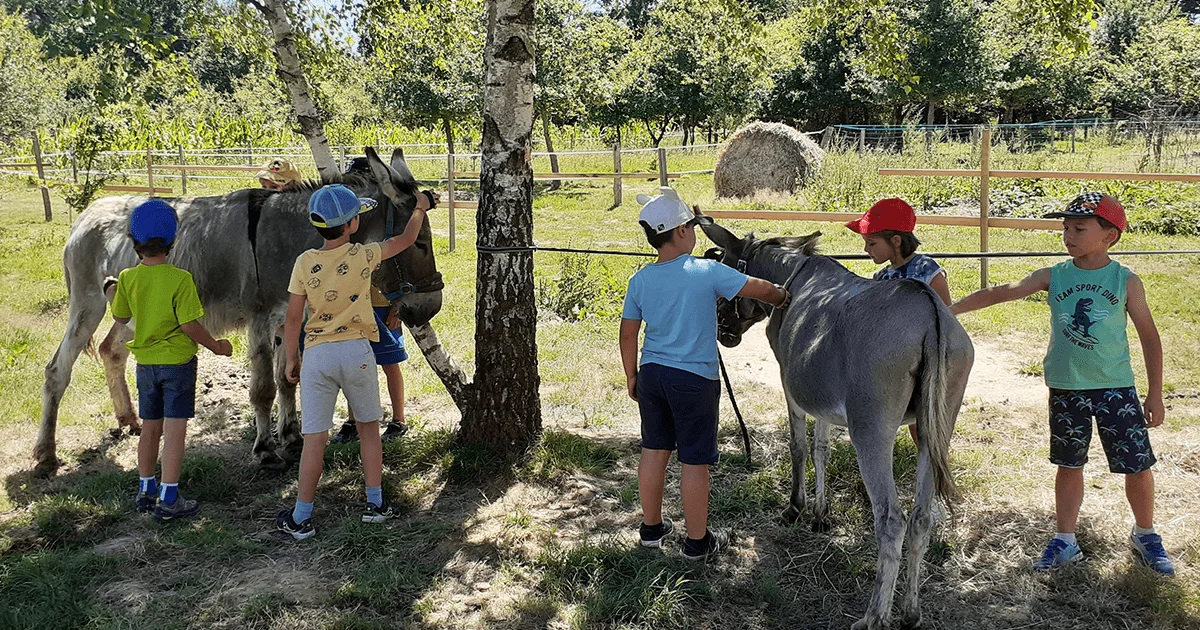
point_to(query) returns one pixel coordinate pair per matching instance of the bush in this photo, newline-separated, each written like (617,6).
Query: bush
(581,289)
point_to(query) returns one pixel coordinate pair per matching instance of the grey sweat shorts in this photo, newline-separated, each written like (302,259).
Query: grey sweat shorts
(348,366)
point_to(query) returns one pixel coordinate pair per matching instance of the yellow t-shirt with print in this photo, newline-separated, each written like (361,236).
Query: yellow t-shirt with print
(337,283)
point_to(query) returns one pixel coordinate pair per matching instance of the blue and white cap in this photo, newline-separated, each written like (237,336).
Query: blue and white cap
(153,219)
(336,205)
(666,211)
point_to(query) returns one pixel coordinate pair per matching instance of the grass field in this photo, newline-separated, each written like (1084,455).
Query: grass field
(551,543)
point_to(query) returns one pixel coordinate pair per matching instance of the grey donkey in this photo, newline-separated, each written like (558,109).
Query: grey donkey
(868,355)
(240,248)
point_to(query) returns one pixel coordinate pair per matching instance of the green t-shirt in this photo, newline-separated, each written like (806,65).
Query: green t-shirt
(160,299)
(1088,345)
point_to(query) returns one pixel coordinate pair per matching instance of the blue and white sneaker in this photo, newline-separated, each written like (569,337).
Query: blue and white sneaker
(1058,553)
(1152,552)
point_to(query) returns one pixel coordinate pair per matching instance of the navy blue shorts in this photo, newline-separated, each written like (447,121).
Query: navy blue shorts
(167,391)
(1118,415)
(679,412)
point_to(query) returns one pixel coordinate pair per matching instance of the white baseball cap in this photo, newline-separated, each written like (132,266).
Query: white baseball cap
(666,211)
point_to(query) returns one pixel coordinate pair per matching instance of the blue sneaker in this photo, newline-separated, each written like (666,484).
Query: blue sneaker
(1152,552)
(1058,553)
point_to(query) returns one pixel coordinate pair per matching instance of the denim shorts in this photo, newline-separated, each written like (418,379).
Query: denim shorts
(389,350)
(679,411)
(1119,417)
(166,391)
(345,366)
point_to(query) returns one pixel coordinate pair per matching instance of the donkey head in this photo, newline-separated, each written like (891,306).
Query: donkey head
(410,279)
(736,316)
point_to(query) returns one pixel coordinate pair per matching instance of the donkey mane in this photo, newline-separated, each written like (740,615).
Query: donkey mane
(806,245)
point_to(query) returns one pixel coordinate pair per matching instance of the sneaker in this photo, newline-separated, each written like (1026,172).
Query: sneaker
(1058,553)
(652,536)
(703,549)
(394,431)
(380,513)
(285,524)
(1152,552)
(146,501)
(181,508)
(348,433)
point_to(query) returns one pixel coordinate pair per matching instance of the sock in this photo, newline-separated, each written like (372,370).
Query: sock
(1068,538)
(148,485)
(168,492)
(303,511)
(1143,531)
(375,496)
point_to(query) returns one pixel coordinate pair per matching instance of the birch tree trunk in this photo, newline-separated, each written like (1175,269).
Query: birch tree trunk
(292,74)
(506,411)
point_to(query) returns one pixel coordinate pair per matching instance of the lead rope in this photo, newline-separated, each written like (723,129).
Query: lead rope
(733,402)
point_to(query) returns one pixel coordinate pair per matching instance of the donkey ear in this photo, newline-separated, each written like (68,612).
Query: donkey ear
(397,156)
(722,238)
(381,172)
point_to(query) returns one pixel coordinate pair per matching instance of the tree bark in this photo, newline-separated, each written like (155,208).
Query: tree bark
(506,413)
(448,130)
(447,369)
(292,74)
(930,111)
(554,185)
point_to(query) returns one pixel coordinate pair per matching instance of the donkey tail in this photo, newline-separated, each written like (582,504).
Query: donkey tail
(935,420)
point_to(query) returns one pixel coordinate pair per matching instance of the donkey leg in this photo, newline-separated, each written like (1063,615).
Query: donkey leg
(115,355)
(920,525)
(820,463)
(873,444)
(86,312)
(797,421)
(288,427)
(262,392)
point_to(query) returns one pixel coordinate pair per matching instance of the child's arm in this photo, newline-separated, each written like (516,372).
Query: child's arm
(200,335)
(765,292)
(1143,321)
(291,335)
(983,298)
(629,338)
(942,288)
(403,241)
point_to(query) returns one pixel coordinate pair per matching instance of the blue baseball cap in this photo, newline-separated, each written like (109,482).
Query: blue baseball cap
(153,219)
(335,205)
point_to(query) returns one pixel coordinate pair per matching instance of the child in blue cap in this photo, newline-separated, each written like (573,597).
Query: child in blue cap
(334,284)
(164,301)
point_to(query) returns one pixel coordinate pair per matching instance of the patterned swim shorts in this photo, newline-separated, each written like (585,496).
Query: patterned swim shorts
(1119,418)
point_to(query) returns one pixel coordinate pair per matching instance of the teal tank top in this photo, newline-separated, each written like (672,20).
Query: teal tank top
(1088,345)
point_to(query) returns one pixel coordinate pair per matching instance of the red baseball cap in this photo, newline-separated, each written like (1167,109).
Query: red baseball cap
(886,214)
(1094,204)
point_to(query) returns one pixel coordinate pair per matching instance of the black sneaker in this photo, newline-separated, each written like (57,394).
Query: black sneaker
(653,535)
(146,501)
(703,549)
(394,431)
(380,513)
(347,434)
(181,508)
(285,524)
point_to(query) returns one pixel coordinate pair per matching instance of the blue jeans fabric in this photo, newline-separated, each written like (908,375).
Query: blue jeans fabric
(166,391)
(679,410)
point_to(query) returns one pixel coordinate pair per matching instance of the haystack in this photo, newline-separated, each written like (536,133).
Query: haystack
(765,156)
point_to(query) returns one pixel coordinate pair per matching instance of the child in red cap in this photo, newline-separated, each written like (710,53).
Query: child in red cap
(1090,376)
(887,231)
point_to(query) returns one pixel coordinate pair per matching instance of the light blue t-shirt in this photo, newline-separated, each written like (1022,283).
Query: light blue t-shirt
(678,301)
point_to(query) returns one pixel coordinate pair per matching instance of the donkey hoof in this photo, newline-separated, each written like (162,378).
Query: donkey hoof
(868,623)
(790,516)
(270,462)
(821,526)
(46,467)
(911,620)
(292,452)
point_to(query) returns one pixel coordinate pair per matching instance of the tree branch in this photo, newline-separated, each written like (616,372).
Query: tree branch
(447,369)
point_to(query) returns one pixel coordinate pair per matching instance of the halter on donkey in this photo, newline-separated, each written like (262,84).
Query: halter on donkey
(867,355)
(240,249)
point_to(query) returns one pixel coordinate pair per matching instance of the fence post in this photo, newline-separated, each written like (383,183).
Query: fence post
(249,151)
(1074,127)
(827,137)
(662,166)
(149,170)
(985,154)
(618,186)
(862,141)
(41,173)
(345,161)
(182,171)
(74,166)
(450,194)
